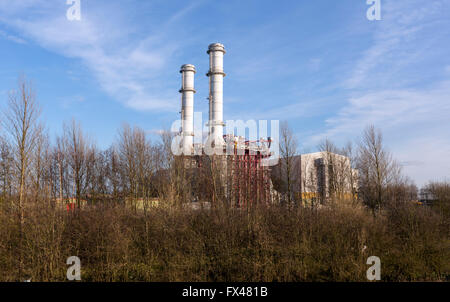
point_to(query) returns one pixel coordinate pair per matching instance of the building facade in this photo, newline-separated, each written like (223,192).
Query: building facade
(316,177)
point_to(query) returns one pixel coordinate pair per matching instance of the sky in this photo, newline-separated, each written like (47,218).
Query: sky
(320,65)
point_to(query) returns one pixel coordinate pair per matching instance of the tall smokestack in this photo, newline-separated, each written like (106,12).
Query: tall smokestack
(216,75)
(187,107)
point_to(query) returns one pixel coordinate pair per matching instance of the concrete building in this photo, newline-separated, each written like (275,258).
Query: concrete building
(426,196)
(316,176)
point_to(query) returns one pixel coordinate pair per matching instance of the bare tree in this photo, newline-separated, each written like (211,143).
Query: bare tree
(288,151)
(40,164)
(21,123)
(135,154)
(309,182)
(93,171)
(377,168)
(126,150)
(351,173)
(6,168)
(77,148)
(440,194)
(60,155)
(331,177)
(113,171)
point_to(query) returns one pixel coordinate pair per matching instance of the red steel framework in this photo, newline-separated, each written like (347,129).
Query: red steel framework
(249,177)
(246,179)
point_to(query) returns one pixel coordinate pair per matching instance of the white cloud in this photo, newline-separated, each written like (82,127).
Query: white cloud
(414,121)
(415,124)
(394,108)
(398,41)
(126,69)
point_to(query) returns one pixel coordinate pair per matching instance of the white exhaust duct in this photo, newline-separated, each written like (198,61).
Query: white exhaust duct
(187,107)
(216,75)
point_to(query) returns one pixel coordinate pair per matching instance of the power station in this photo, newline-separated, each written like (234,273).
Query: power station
(245,177)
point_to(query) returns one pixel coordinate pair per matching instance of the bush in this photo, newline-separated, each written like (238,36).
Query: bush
(264,244)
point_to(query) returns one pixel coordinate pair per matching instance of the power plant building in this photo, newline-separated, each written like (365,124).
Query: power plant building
(244,177)
(316,176)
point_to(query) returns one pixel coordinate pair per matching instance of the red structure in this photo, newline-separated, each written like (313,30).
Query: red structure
(71,206)
(249,179)
(245,178)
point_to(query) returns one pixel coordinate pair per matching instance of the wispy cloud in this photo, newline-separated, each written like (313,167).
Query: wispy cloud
(393,86)
(398,41)
(393,108)
(125,68)
(415,123)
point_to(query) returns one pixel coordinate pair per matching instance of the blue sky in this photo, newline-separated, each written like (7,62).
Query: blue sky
(319,64)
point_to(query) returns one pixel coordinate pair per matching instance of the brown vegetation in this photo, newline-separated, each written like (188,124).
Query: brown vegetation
(115,243)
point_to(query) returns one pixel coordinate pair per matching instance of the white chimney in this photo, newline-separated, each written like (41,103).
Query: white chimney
(216,75)
(187,107)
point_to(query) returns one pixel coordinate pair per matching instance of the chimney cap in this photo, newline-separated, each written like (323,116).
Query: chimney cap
(216,47)
(187,67)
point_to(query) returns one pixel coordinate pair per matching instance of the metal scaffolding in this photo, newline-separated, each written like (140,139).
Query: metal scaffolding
(248,178)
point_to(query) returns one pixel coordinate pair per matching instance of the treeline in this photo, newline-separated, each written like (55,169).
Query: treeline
(72,167)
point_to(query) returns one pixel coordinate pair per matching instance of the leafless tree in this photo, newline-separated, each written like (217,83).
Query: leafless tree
(113,172)
(351,172)
(331,170)
(77,149)
(401,191)
(6,169)
(440,194)
(61,158)
(288,151)
(377,168)
(93,174)
(136,157)
(21,123)
(40,165)
(309,183)
(126,149)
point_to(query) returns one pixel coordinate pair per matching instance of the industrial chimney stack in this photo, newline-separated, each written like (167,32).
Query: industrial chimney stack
(216,75)
(187,107)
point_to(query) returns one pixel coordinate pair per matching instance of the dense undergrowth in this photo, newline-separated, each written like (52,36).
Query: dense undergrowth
(264,244)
